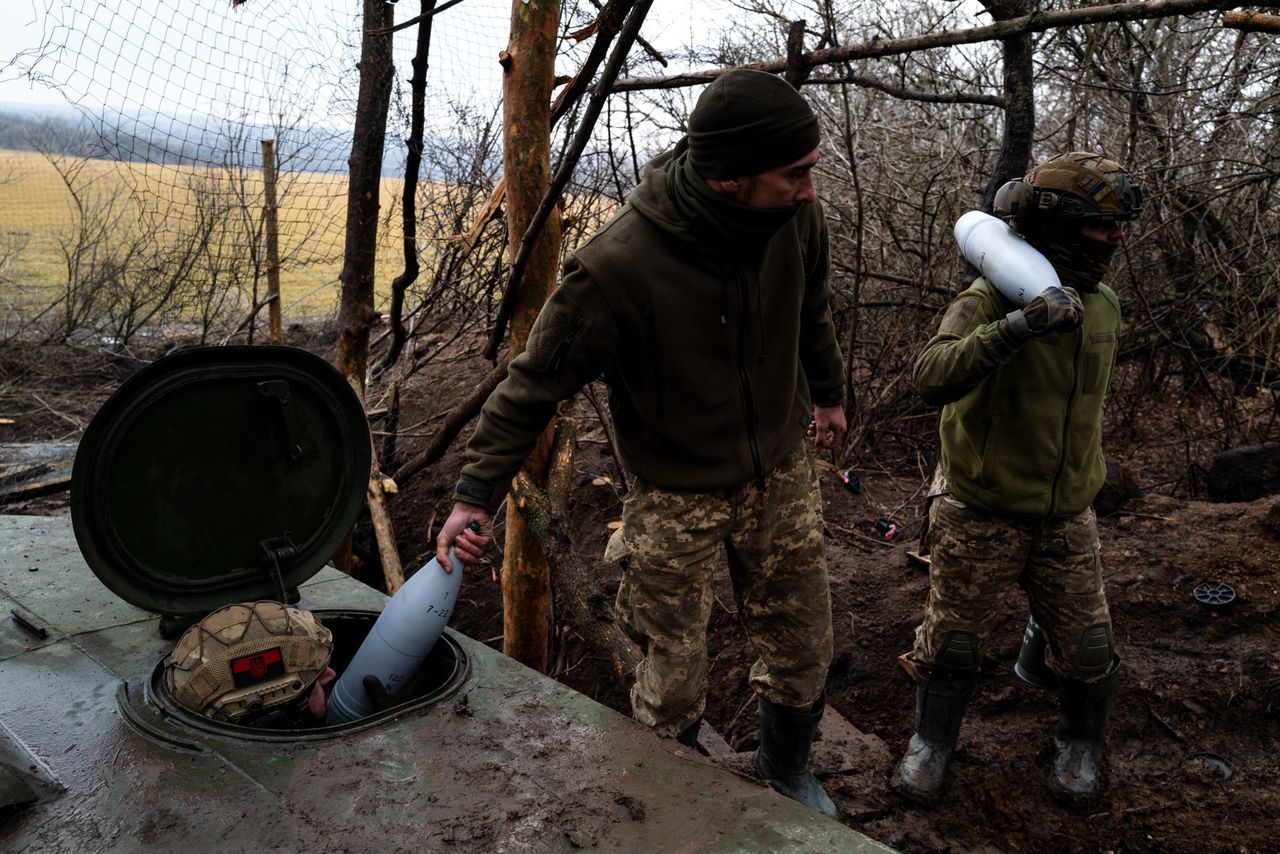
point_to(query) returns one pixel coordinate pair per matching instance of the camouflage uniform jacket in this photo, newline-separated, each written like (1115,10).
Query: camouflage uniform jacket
(1021,427)
(711,360)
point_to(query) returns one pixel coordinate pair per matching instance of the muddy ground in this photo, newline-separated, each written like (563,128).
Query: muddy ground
(1195,729)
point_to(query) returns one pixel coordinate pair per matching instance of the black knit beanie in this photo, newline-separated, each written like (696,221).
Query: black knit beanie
(747,122)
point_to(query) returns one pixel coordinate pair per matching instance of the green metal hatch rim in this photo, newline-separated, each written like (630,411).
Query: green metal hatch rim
(157,702)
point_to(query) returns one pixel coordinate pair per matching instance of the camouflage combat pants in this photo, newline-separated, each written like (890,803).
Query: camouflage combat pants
(976,557)
(772,538)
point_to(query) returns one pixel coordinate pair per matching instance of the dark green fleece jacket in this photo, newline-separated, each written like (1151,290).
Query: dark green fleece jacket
(713,359)
(1021,425)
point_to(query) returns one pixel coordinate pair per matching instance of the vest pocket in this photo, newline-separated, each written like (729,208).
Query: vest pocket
(1101,349)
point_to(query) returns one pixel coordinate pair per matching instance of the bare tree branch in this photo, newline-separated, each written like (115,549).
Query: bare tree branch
(1036,22)
(458,418)
(909,94)
(425,16)
(1252,21)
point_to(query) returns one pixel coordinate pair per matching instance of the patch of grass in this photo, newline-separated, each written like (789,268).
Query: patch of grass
(38,218)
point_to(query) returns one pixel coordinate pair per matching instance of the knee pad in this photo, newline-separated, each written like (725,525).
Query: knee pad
(959,651)
(1095,653)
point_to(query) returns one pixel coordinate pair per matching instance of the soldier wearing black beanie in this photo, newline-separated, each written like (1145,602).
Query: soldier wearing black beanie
(747,122)
(705,305)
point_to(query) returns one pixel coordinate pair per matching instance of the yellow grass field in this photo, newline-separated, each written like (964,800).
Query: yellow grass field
(38,218)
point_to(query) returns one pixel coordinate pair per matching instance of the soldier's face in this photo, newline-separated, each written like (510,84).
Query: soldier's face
(1109,232)
(782,187)
(318,699)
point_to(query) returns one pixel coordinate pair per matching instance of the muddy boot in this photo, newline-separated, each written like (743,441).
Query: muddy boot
(783,757)
(941,696)
(1078,768)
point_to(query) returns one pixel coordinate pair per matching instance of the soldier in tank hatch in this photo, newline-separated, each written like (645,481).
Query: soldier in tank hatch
(255,664)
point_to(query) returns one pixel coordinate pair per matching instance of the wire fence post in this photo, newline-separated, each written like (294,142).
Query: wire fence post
(273,240)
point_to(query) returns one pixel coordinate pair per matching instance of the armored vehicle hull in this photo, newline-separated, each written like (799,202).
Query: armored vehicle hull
(497,758)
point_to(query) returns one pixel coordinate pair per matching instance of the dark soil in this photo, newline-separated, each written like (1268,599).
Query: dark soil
(1194,740)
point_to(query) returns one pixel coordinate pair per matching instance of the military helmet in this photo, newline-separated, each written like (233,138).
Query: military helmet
(247,658)
(1076,186)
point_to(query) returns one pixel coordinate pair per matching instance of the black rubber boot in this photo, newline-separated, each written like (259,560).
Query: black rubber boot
(783,757)
(1078,768)
(941,696)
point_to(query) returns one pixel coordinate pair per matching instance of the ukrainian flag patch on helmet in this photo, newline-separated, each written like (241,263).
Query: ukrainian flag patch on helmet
(1099,191)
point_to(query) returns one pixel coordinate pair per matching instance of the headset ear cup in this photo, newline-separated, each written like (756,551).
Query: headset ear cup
(1013,201)
(1011,197)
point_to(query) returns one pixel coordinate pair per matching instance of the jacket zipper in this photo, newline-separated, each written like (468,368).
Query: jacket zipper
(562,349)
(748,399)
(1066,423)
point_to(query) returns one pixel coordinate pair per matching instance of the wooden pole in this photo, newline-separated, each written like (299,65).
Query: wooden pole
(529,73)
(384,534)
(1019,100)
(272,228)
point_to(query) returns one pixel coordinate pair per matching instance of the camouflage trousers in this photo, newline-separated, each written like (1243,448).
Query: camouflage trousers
(771,535)
(977,557)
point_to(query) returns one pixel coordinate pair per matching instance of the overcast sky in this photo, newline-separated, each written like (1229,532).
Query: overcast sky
(20,31)
(168,55)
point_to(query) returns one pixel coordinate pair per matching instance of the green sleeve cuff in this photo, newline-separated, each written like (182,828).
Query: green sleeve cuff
(480,494)
(1000,340)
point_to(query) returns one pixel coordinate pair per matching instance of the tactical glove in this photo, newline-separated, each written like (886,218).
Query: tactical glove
(1055,310)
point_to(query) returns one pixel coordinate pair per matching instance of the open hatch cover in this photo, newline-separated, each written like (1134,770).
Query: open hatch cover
(218,475)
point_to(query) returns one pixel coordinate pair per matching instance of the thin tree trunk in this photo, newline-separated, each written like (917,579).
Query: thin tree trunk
(409,194)
(355,311)
(1019,99)
(585,605)
(529,66)
(549,206)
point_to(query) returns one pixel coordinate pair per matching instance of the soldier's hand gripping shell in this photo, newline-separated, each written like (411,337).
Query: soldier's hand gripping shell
(1076,303)
(1055,310)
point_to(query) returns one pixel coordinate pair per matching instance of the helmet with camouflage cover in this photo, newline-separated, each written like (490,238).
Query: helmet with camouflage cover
(247,658)
(1053,203)
(1078,185)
